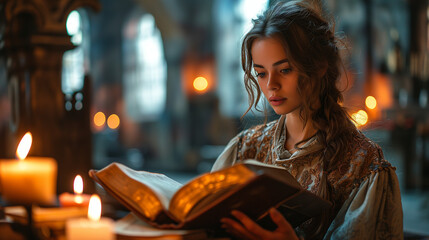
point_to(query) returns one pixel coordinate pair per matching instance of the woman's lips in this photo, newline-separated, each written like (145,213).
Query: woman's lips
(275,101)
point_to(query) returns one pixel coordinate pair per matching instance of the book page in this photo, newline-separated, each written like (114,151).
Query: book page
(254,198)
(274,171)
(243,184)
(245,171)
(162,185)
(144,192)
(131,227)
(205,185)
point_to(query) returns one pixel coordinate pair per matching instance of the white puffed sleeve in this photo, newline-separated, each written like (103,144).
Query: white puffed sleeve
(228,156)
(372,211)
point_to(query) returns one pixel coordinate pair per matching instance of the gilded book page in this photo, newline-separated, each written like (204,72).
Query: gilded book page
(163,186)
(208,184)
(148,193)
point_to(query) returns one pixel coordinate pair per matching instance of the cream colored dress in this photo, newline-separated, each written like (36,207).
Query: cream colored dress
(364,187)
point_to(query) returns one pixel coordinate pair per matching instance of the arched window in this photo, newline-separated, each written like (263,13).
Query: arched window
(145,70)
(234,19)
(75,61)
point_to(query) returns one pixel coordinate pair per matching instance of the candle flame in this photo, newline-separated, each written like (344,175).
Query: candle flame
(78,185)
(24,146)
(94,208)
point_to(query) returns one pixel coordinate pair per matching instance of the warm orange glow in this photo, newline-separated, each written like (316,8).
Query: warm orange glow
(192,69)
(78,185)
(382,90)
(78,199)
(370,102)
(99,119)
(360,118)
(24,146)
(94,208)
(113,121)
(200,84)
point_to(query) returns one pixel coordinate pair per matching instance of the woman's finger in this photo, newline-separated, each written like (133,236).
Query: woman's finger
(249,224)
(282,224)
(236,229)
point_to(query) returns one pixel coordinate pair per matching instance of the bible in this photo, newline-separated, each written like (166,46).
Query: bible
(249,186)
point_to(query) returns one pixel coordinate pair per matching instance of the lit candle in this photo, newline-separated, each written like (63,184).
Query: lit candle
(77,199)
(30,180)
(93,227)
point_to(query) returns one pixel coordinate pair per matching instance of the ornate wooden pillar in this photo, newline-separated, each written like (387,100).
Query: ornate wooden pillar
(33,41)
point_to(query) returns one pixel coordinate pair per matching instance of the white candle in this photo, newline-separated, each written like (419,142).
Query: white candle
(93,227)
(29,180)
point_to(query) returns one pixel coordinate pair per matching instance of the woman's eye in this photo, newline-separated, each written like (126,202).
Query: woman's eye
(259,75)
(286,70)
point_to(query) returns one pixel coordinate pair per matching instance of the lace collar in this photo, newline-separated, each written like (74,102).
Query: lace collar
(283,154)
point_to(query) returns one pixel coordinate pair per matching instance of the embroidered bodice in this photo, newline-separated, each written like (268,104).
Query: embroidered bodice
(363,161)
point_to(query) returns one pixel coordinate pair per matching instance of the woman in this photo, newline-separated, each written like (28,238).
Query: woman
(291,57)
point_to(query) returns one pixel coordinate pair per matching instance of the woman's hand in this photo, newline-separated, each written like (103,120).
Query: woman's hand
(246,228)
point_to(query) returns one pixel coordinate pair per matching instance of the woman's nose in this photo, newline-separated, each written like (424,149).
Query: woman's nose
(272,82)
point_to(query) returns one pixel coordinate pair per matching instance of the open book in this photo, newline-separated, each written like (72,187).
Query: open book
(250,186)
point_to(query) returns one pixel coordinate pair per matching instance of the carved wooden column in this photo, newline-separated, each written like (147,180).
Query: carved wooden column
(33,41)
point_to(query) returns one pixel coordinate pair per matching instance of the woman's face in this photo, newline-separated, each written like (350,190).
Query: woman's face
(276,77)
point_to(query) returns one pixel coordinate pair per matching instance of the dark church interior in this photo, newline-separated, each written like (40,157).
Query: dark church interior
(157,85)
